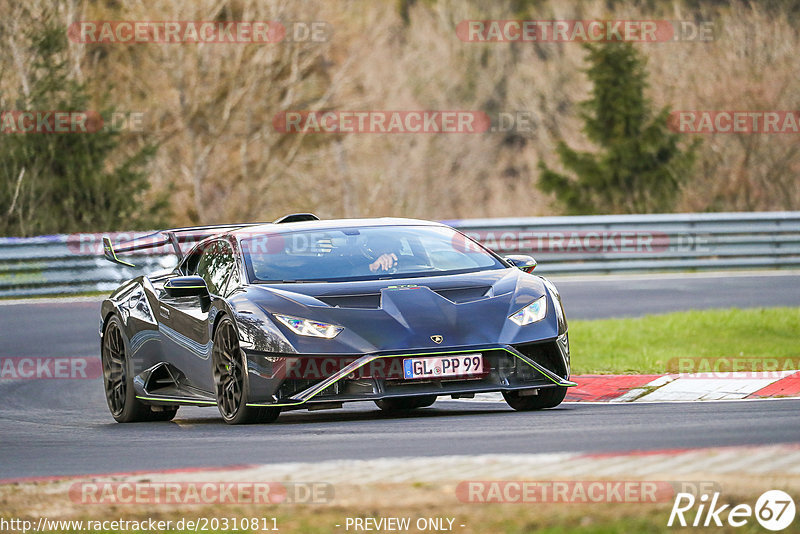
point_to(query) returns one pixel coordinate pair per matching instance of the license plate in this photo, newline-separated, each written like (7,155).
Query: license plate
(443,366)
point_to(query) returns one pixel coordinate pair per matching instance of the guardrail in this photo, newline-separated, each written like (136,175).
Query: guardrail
(70,264)
(663,242)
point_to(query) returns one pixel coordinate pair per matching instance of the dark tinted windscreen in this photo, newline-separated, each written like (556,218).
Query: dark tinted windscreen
(363,253)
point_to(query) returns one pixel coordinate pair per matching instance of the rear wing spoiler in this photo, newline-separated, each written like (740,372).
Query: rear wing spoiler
(176,236)
(173,237)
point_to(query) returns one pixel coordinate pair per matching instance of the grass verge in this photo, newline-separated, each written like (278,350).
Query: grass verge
(645,345)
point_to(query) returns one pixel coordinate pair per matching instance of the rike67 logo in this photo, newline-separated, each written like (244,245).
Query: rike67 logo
(774,510)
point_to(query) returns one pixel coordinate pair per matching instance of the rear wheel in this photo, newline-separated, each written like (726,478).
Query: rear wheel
(405,403)
(118,381)
(546,398)
(230,380)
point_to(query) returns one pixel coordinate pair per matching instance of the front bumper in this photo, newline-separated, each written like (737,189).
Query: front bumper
(299,381)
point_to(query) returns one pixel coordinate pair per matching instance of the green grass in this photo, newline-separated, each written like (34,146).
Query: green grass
(647,344)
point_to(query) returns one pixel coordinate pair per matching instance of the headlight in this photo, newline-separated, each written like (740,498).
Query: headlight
(558,305)
(533,312)
(307,327)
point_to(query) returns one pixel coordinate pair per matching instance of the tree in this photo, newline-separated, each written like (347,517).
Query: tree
(66,182)
(640,166)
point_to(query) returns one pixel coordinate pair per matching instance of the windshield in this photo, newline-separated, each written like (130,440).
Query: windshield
(363,253)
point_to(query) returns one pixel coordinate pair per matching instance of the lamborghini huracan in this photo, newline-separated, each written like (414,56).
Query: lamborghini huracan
(303,313)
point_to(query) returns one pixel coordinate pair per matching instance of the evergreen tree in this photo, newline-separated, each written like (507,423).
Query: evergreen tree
(640,166)
(67,182)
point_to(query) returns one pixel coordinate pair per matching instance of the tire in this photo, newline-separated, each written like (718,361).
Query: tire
(405,403)
(231,382)
(547,398)
(118,380)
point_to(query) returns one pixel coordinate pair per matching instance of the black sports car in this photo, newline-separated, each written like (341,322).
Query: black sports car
(309,314)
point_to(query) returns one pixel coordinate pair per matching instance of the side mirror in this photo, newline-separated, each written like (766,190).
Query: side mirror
(186,286)
(526,263)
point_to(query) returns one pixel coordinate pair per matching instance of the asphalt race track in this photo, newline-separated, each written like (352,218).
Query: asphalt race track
(62,427)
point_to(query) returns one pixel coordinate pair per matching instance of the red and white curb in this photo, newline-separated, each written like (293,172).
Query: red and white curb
(678,387)
(685,387)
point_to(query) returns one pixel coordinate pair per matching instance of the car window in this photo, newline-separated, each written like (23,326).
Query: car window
(189,265)
(215,265)
(234,281)
(362,253)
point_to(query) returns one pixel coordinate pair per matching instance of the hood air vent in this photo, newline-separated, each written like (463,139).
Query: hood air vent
(366,300)
(458,295)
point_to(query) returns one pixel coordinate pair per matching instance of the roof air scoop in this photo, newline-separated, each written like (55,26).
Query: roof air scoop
(296,217)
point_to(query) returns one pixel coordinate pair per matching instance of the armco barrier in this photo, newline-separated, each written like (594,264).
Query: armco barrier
(56,264)
(62,264)
(621,243)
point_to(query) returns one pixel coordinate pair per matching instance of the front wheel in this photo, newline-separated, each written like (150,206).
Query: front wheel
(405,403)
(547,398)
(230,380)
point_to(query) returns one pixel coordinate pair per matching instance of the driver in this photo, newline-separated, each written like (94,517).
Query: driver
(385,252)
(386,261)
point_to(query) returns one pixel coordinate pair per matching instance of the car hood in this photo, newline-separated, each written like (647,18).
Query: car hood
(406,314)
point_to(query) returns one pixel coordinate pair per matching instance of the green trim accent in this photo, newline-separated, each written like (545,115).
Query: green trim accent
(367,359)
(184,401)
(262,405)
(111,255)
(563,383)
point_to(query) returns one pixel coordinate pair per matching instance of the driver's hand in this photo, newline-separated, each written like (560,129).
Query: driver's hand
(384,263)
